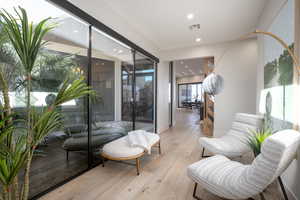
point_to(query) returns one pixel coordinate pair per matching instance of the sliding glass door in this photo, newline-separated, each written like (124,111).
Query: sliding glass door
(127,92)
(138,92)
(110,60)
(144,93)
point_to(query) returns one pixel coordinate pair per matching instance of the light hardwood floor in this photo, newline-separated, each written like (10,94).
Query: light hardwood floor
(162,177)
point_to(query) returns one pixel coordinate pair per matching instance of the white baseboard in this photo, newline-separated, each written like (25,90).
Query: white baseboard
(161,130)
(289,192)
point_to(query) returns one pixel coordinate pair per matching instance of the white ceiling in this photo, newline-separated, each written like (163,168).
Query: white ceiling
(164,22)
(188,67)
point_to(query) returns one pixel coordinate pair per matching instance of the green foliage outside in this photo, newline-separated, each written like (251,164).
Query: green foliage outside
(286,68)
(18,143)
(282,65)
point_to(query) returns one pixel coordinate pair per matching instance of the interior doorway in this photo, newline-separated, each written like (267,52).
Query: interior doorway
(189,93)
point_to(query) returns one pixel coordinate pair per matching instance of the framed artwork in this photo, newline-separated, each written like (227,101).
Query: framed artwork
(279,70)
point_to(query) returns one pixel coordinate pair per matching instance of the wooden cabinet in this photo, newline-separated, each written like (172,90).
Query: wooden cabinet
(208,121)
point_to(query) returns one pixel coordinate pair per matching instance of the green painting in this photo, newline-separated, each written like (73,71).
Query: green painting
(279,71)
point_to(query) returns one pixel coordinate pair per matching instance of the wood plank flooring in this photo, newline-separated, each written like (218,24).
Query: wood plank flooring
(162,177)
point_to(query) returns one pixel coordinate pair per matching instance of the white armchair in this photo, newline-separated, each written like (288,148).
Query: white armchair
(234,143)
(233,180)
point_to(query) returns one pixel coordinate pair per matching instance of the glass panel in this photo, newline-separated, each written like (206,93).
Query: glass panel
(64,56)
(109,60)
(144,97)
(194,94)
(190,94)
(127,98)
(182,98)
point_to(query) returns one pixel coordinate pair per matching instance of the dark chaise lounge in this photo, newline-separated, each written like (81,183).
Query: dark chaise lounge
(101,135)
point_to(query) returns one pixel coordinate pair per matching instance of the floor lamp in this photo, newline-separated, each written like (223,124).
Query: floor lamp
(296,62)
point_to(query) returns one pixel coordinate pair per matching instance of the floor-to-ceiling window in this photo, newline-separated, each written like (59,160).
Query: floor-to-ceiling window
(144,92)
(108,57)
(190,94)
(64,57)
(127,91)
(138,92)
(122,77)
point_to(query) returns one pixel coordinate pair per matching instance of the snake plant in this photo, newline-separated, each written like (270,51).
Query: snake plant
(257,138)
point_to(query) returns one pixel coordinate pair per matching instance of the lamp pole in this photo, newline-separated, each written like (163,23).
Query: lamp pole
(284,44)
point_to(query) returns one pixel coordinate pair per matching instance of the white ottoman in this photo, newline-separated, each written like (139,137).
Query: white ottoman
(120,150)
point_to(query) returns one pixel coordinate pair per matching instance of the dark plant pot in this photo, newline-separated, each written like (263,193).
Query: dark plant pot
(256,154)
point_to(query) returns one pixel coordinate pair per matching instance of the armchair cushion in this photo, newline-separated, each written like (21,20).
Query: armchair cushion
(229,146)
(234,143)
(217,174)
(233,180)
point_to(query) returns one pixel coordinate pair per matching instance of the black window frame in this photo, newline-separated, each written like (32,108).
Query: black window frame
(94,23)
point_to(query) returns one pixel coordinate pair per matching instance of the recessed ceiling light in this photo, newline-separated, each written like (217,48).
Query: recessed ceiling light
(186,66)
(75,31)
(190,16)
(114,50)
(198,39)
(120,51)
(181,62)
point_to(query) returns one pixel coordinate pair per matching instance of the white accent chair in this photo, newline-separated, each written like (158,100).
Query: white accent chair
(234,143)
(233,180)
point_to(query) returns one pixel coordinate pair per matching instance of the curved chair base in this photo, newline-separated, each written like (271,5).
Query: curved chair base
(204,156)
(262,197)
(194,193)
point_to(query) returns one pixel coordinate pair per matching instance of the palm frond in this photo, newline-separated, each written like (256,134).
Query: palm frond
(44,123)
(257,138)
(78,88)
(26,38)
(12,161)
(6,129)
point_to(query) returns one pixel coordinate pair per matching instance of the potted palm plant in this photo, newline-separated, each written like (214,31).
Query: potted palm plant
(257,138)
(17,149)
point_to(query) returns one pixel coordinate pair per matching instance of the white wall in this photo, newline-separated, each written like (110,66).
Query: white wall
(291,176)
(238,67)
(163,97)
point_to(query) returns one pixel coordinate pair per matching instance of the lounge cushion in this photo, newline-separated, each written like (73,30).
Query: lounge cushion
(217,174)
(120,148)
(97,140)
(235,142)
(233,180)
(229,146)
(103,131)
